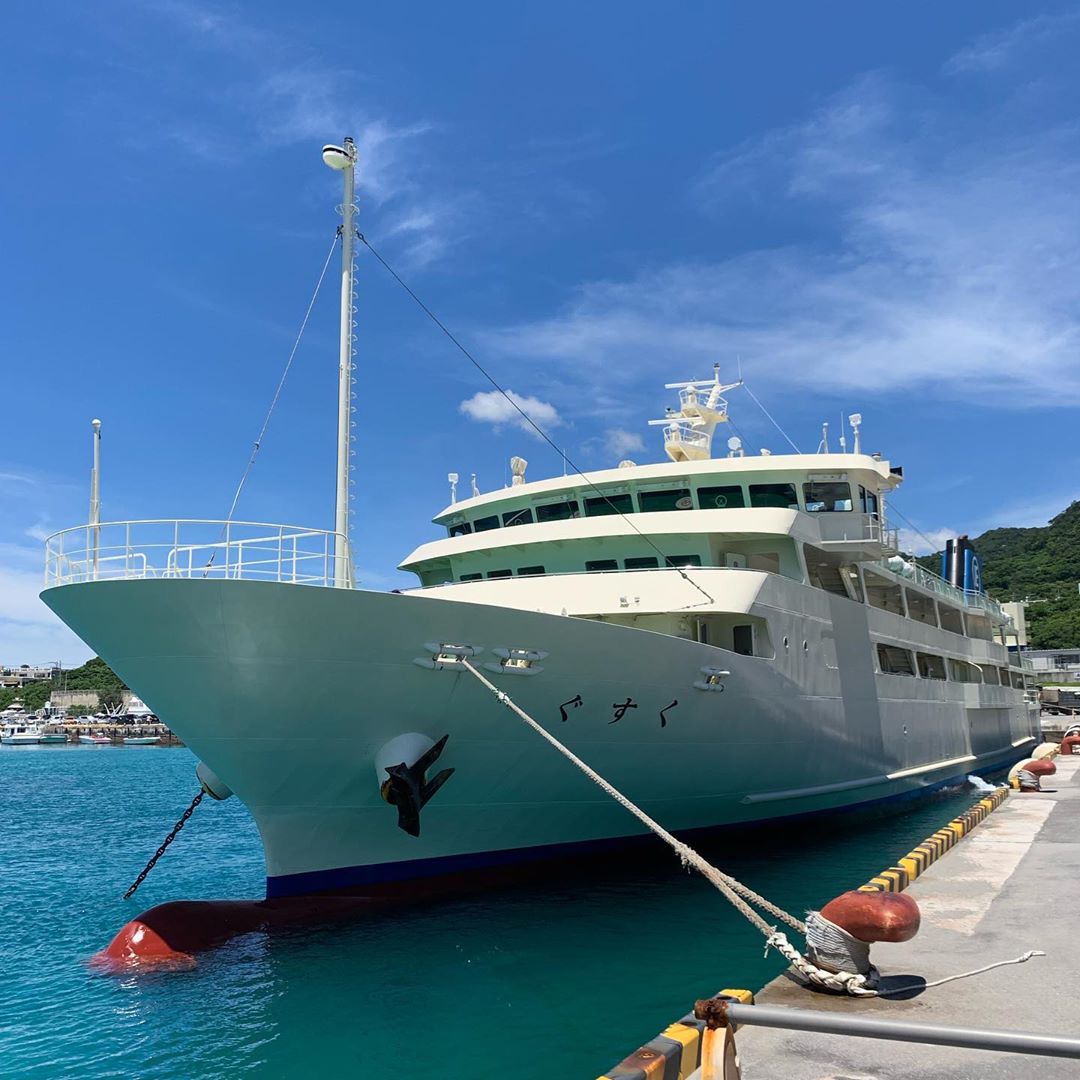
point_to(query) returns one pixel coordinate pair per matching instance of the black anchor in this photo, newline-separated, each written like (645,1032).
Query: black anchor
(410,791)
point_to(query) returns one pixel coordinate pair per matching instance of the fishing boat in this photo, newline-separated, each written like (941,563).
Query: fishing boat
(20,733)
(141,740)
(90,739)
(52,738)
(727,638)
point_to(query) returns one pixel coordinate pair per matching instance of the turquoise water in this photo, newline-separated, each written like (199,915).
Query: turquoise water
(562,979)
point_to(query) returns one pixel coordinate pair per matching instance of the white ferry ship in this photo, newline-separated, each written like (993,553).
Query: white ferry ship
(727,639)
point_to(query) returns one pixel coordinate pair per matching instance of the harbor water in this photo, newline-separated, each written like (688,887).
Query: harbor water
(560,978)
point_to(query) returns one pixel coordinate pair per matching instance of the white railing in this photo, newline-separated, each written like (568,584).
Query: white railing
(913,571)
(685,434)
(836,529)
(232,550)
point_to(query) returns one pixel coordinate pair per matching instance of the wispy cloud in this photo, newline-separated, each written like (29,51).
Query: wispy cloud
(618,442)
(279,92)
(950,267)
(996,50)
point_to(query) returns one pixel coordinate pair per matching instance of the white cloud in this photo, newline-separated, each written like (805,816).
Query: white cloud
(996,50)
(925,541)
(951,267)
(492,407)
(618,442)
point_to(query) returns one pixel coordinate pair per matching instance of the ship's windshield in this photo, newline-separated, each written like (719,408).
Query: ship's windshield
(827,497)
(779,496)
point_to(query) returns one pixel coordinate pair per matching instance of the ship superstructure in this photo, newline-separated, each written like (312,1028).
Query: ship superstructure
(677,623)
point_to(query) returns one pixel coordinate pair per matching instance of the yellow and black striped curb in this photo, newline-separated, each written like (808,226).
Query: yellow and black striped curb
(675,1053)
(899,877)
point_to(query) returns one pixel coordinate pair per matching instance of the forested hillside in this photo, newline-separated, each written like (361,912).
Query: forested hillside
(1040,566)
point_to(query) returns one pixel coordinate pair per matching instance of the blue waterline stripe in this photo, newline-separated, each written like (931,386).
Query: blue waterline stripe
(353,877)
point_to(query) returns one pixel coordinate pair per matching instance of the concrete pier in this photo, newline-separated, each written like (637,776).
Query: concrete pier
(1009,887)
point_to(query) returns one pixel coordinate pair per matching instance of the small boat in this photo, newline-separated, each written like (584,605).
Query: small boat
(95,740)
(141,740)
(20,733)
(53,737)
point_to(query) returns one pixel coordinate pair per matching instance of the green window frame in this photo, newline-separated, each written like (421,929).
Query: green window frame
(620,502)
(597,566)
(669,499)
(500,573)
(531,571)
(682,560)
(558,511)
(727,497)
(641,562)
(523,516)
(776,496)
(485,524)
(471,577)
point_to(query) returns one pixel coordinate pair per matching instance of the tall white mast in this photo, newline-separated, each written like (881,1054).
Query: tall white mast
(95,495)
(343,158)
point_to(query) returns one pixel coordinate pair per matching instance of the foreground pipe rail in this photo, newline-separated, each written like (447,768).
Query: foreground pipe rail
(719,1011)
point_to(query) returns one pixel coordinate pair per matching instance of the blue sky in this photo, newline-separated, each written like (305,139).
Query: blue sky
(871,208)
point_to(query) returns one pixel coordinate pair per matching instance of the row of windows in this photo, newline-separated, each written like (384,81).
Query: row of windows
(894,660)
(818,497)
(646,562)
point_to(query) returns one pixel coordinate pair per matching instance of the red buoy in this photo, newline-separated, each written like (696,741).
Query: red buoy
(875,916)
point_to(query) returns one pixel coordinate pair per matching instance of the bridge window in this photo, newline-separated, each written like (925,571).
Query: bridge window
(604,505)
(558,511)
(682,560)
(894,661)
(778,496)
(500,573)
(675,499)
(825,498)
(485,523)
(931,666)
(530,571)
(868,501)
(462,528)
(645,562)
(594,566)
(518,517)
(720,498)
(470,577)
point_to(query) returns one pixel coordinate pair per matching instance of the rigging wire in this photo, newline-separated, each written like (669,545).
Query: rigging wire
(754,399)
(281,382)
(526,417)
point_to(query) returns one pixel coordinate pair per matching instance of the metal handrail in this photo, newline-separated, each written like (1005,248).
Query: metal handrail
(192,548)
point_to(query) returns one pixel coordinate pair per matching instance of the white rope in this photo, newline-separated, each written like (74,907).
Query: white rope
(827,943)
(732,889)
(963,975)
(281,382)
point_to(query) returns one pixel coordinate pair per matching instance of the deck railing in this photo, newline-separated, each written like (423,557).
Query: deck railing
(913,571)
(233,550)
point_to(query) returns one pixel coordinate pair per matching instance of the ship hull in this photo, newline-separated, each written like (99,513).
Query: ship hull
(288,693)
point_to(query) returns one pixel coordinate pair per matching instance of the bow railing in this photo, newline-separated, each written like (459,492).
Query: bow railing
(189,548)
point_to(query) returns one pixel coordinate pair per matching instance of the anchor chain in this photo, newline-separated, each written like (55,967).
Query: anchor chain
(184,818)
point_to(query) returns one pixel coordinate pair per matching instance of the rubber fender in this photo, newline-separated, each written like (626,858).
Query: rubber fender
(1070,744)
(875,916)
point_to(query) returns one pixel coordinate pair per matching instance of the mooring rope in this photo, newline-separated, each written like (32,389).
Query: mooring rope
(850,982)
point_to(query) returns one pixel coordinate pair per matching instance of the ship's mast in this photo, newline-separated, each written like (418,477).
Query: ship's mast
(343,158)
(95,495)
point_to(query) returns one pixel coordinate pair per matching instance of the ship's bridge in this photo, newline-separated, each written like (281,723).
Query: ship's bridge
(700,513)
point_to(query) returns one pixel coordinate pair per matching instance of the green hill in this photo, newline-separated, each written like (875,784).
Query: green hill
(1041,566)
(95,674)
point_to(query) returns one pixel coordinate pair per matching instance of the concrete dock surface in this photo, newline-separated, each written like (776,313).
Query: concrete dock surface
(1011,885)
